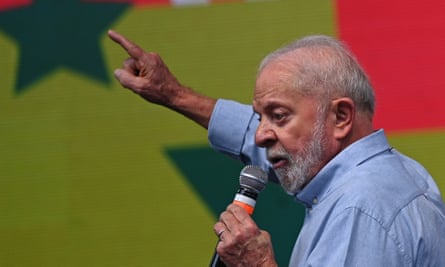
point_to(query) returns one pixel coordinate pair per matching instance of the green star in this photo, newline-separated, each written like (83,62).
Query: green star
(54,33)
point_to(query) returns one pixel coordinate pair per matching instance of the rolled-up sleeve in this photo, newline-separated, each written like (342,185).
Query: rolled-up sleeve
(231,131)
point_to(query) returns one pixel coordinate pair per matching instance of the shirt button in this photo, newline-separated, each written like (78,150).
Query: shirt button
(315,201)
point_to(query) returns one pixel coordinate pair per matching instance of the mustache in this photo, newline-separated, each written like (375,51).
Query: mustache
(279,153)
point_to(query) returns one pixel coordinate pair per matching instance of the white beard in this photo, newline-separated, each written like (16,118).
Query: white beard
(299,170)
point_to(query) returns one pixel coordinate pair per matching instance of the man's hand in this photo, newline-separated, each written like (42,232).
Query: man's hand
(145,73)
(148,76)
(241,242)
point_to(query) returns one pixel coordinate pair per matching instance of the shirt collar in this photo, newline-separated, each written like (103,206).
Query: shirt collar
(354,155)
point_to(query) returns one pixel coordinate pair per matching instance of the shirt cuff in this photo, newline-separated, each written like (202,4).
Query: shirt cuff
(228,125)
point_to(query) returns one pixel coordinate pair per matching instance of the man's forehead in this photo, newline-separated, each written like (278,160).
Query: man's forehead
(279,98)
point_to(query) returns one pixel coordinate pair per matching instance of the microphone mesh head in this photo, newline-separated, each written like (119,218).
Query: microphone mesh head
(253,177)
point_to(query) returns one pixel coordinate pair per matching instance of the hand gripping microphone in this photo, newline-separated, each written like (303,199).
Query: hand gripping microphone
(252,181)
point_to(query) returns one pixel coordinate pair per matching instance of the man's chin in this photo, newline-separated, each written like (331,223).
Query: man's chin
(287,187)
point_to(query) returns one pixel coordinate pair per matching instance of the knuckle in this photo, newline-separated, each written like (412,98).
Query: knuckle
(223,215)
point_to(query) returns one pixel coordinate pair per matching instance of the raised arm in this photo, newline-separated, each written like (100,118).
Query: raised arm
(231,125)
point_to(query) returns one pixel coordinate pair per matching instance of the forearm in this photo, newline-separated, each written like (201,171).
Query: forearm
(193,105)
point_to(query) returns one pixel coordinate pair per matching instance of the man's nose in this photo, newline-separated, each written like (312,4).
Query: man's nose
(265,136)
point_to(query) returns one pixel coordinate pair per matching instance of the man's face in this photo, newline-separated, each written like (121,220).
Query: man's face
(291,128)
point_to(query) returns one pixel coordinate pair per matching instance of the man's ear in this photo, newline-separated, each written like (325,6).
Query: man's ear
(344,111)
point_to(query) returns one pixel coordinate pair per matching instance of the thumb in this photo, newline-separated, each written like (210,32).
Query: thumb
(127,79)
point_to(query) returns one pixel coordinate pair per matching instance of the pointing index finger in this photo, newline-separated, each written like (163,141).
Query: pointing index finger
(132,49)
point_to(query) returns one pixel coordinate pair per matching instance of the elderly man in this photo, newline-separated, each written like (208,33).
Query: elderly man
(366,204)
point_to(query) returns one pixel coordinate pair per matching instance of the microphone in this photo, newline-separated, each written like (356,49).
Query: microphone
(252,181)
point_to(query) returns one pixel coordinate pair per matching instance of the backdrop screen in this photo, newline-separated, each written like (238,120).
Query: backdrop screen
(92,175)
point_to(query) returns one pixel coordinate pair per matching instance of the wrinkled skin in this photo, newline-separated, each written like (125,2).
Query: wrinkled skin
(241,242)
(146,74)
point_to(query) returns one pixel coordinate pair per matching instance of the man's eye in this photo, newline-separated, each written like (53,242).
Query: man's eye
(278,116)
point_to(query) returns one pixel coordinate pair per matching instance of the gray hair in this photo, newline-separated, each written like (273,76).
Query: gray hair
(324,67)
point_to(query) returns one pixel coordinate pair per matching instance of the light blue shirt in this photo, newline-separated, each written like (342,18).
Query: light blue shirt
(369,206)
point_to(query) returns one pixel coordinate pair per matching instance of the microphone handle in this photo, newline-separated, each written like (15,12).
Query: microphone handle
(246,199)
(216,261)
